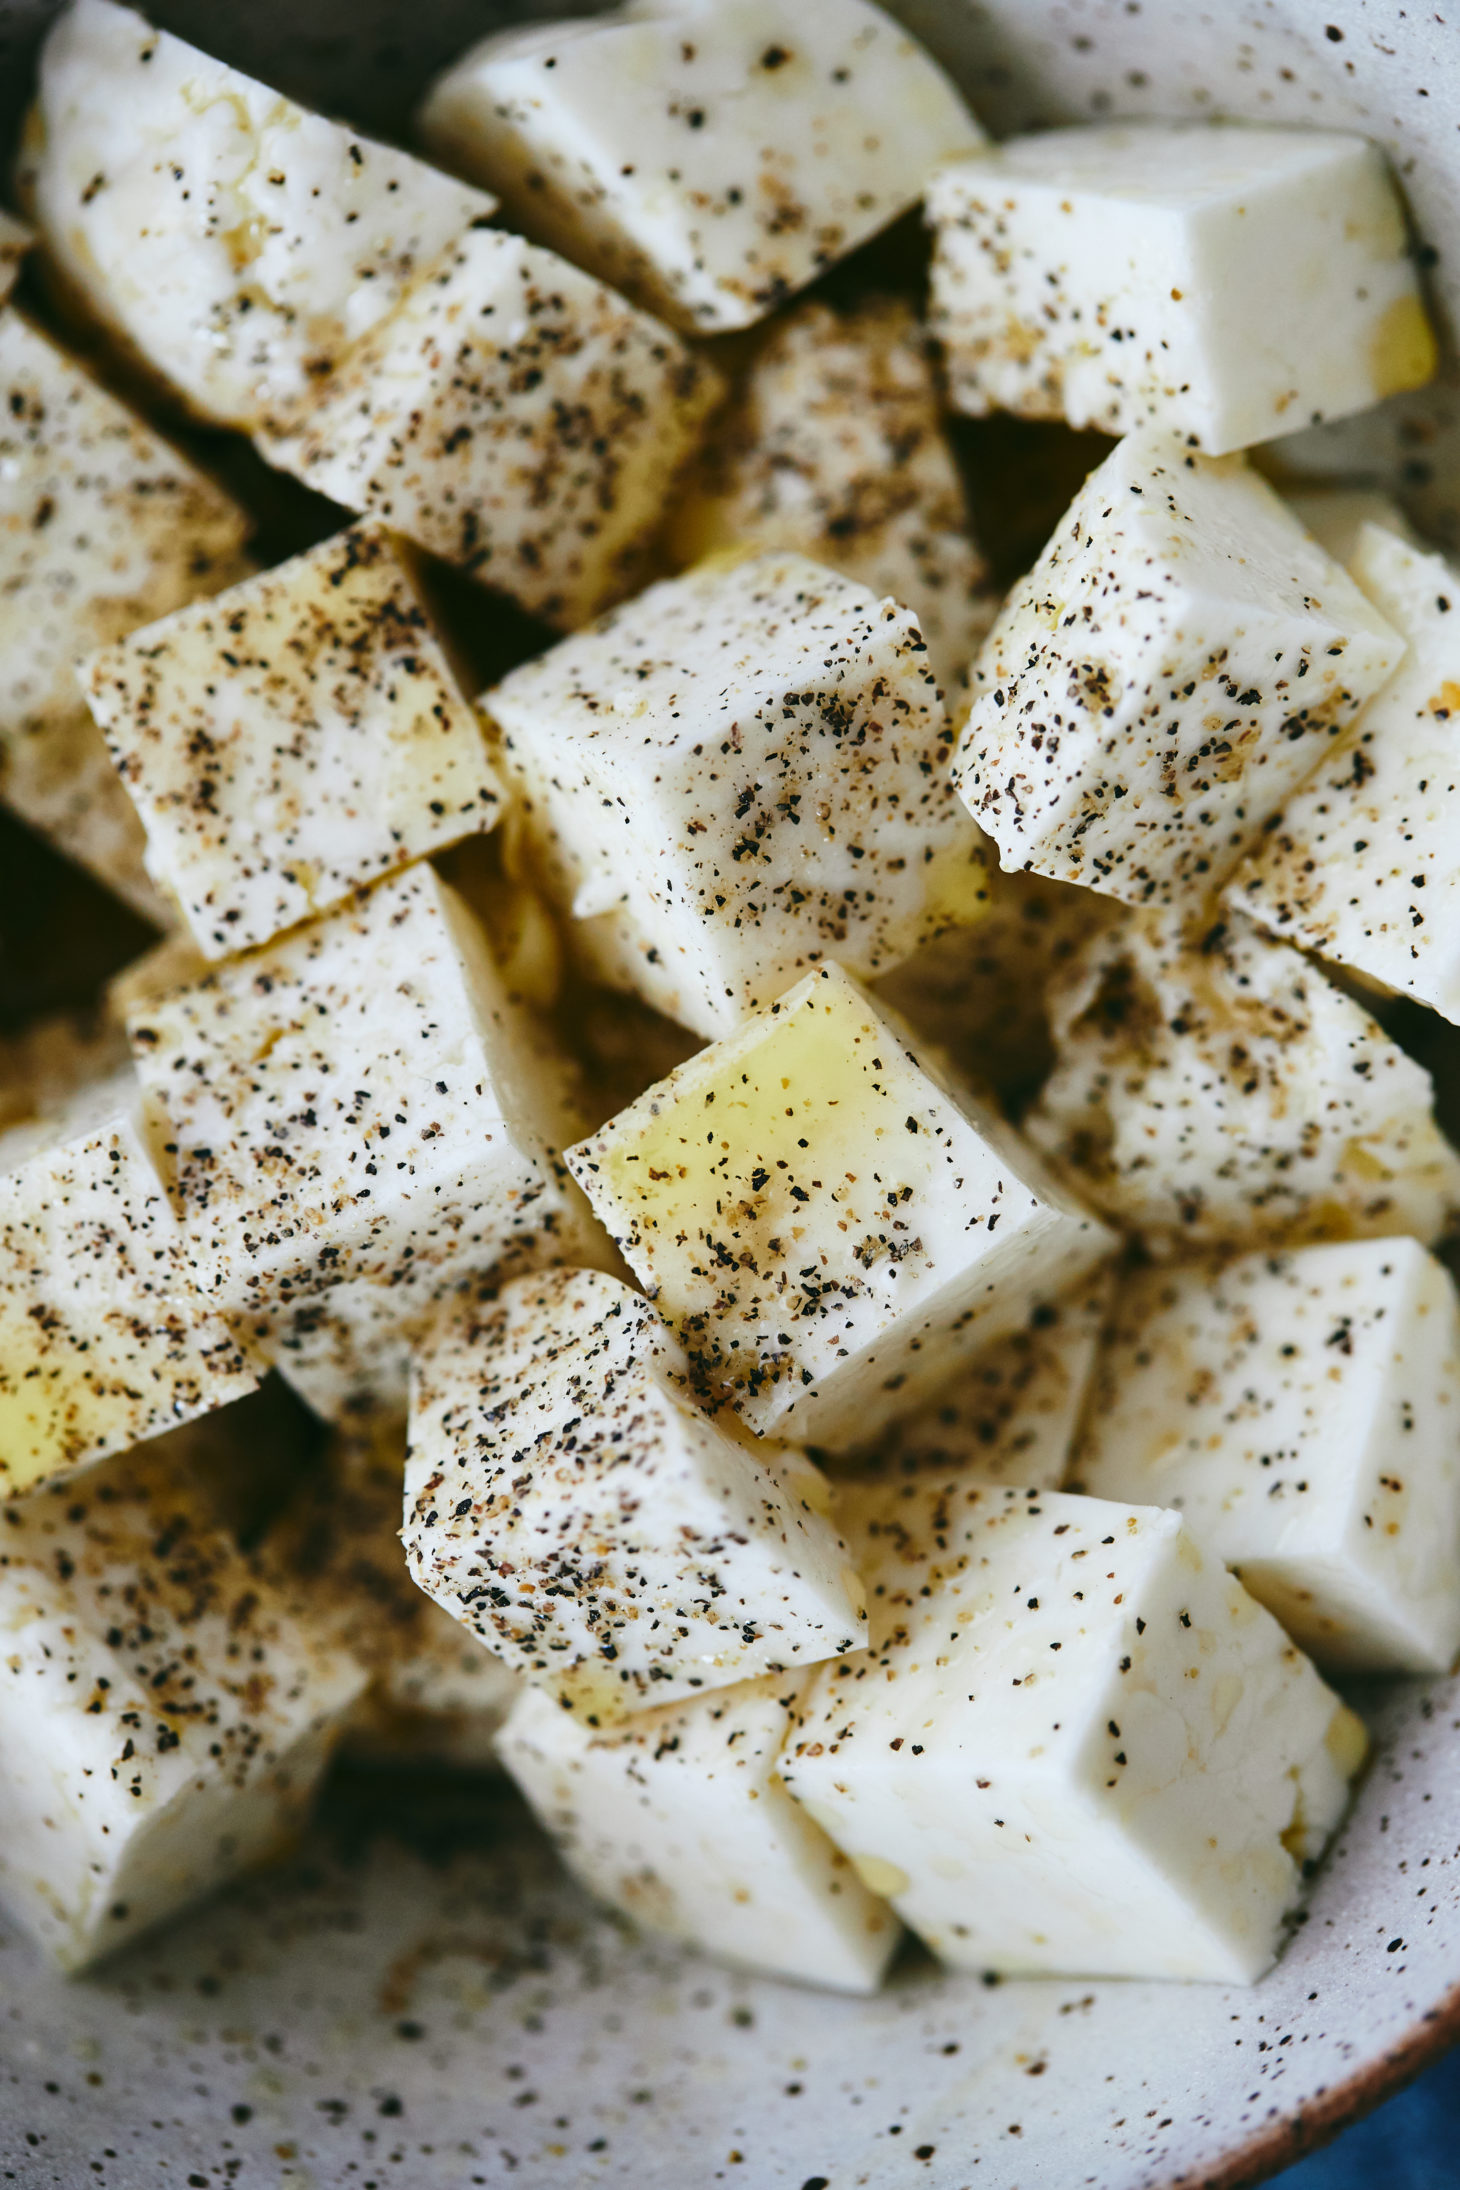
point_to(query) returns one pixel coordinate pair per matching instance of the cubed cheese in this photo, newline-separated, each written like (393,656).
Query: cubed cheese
(15,240)
(436,1696)
(104,1337)
(741,772)
(1010,1414)
(1221,1091)
(678,1819)
(1224,282)
(292,739)
(1302,1411)
(835,447)
(351,1098)
(829,1228)
(165,1717)
(236,244)
(1076,1745)
(514,417)
(568,1501)
(1360,865)
(1176,662)
(102,526)
(710,157)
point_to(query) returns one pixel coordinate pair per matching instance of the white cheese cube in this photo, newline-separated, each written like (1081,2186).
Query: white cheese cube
(1302,1412)
(15,240)
(1075,1746)
(828,1228)
(1223,282)
(102,526)
(1360,865)
(679,1820)
(355,1095)
(741,772)
(292,739)
(236,244)
(568,1501)
(835,448)
(708,157)
(436,1696)
(514,417)
(165,1718)
(1009,1415)
(105,1338)
(1176,662)
(1219,1091)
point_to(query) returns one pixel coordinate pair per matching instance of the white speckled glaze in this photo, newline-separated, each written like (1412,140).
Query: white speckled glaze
(420,1999)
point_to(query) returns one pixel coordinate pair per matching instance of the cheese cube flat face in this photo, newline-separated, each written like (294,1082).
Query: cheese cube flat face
(513,417)
(292,740)
(1076,1745)
(1302,1412)
(1176,662)
(104,1337)
(568,1502)
(102,527)
(738,774)
(436,1696)
(166,1719)
(15,240)
(1177,275)
(355,1095)
(708,159)
(835,448)
(236,244)
(1222,1092)
(828,1229)
(1360,864)
(679,1820)
(1010,1414)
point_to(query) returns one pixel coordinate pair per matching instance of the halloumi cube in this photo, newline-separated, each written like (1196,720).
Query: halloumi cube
(741,772)
(829,1228)
(1360,864)
(359,1093)
(1179,658)
(1175,274)
(1302,1412)
(1076,1745)
(514,417)
(678,1819)
(292,739)
(568,1501)
(708,157)
(165,1717)
(102,526)
(1011,1413)
(1219,1091)
(835,447)
(236,244)
(15,240)
(436,1695)
(106,1337)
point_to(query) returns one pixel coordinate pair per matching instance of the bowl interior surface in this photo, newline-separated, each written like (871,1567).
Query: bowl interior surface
(420,1998)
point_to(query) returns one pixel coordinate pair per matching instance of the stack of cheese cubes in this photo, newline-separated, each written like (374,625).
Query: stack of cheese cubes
(896,1445)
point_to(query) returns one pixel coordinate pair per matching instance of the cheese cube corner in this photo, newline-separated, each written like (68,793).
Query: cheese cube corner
(1224,282)
(679,1820)
(829,1228)
(709,160)
(1075,1746)
(568,1501)
(1179,658)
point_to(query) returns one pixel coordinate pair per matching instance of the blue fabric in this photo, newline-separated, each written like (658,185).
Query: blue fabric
(1411,2143)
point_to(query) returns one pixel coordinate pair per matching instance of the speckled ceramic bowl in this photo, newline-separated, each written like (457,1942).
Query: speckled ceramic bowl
(420,2000)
